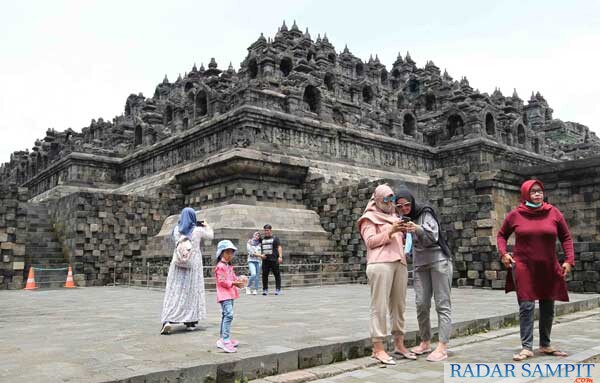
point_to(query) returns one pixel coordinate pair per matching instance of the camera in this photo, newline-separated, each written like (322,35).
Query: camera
(405,219)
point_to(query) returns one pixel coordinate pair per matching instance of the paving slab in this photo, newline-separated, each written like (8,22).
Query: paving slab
(111,334)
(577,334)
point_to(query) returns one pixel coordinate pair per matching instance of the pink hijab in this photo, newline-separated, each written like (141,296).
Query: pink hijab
(373,213)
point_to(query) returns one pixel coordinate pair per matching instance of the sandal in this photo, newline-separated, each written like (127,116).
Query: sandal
(417,351)
(522,355)
(388,361)
(551,351)
(406,355)
(166,329)
(443,355)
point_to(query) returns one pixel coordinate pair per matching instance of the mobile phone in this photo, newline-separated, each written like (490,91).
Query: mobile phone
(405,219)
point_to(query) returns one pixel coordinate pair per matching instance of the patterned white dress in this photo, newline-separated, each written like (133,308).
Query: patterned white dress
(184,295)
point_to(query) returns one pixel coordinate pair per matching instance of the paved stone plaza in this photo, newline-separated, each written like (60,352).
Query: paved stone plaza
(575,333)
(111,334)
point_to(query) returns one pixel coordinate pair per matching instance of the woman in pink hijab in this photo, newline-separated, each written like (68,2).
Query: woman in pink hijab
(387,274)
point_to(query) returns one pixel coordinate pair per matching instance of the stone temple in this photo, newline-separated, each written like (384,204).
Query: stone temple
(298,137)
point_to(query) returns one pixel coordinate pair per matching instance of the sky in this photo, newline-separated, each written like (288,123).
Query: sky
(64,63)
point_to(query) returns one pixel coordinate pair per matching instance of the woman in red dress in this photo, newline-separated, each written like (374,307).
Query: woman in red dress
(534,271)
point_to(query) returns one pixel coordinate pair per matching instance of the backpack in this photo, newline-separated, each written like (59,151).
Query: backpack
(182,255)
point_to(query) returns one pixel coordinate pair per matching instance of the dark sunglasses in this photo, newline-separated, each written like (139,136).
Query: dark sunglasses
(390,199)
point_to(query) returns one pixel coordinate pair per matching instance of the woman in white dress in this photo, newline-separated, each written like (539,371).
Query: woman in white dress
(184,295)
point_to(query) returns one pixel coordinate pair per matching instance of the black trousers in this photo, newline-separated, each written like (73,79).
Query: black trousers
(526,312)
(268,266)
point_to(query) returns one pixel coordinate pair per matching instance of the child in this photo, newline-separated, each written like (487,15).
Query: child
(227,290)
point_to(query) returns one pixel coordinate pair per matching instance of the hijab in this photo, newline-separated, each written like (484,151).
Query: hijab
(525,207)
(375,214)
(255,242)
(416,210)
(187,221)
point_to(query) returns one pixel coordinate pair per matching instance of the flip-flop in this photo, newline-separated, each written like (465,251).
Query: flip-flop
(426,351)
(406,355)
(552,352)
(432,358)
(522,355)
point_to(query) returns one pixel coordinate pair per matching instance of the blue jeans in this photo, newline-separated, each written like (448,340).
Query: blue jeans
(226,318)
(254,267)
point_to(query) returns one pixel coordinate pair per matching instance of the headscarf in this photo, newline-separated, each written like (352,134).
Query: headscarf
(416,210)
(187,221)
(255,242)
(375,214)
(526,197)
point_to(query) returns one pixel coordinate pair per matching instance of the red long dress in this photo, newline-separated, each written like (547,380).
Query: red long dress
(538,274)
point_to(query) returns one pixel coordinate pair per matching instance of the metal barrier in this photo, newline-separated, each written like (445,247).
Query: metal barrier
(151,275)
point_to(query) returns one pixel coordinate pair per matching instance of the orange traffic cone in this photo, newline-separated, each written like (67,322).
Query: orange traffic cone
(70,284)
(30,285)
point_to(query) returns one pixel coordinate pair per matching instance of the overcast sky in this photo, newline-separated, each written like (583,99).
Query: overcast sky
(63,63)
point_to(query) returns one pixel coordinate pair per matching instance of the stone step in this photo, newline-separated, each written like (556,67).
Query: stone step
(42,226)
(48,263)
(50,256)
(50,278)
(44,247)
(41,231)
(44,243)
(47,256)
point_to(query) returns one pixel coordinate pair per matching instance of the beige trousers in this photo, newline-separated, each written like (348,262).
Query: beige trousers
(388,282)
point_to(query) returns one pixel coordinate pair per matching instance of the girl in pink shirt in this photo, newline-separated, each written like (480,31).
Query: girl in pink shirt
(227,290)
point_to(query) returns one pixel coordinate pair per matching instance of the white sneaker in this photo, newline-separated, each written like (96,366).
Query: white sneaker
(254,292)
(247,291)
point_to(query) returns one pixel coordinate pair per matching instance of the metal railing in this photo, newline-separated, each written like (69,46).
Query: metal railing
(154,275)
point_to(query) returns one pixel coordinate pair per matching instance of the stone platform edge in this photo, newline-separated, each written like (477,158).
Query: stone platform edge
(242,370)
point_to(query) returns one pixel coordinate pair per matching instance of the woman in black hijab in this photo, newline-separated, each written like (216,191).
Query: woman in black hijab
(432,262)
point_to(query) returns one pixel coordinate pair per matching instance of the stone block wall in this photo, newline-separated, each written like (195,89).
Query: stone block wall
(465,206)
(586,276)
(574,187)
(339,208)
(103,232)
(247,192)
(472,200)
(13,236)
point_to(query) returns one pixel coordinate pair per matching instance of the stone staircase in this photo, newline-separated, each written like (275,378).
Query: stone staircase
(43,249)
